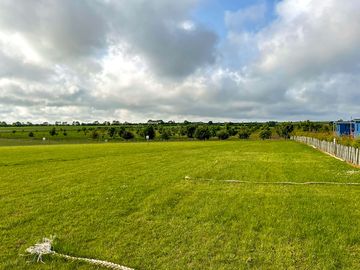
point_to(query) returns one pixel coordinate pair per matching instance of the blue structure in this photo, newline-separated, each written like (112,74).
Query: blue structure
(348,128)
(356,127)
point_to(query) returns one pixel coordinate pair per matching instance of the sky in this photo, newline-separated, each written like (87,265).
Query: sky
(195,60)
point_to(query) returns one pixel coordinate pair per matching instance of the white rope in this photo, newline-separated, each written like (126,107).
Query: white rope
(40,249)
(273,183)
(44,248)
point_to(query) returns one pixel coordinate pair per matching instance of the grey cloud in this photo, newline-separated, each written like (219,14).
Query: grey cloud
(305,64)
(16,68)
(59,29)
(67,31)
(153,29)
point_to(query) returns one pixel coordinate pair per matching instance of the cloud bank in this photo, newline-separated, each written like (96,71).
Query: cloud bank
(131,61)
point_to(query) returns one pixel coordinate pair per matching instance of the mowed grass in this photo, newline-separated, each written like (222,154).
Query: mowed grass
(130,204)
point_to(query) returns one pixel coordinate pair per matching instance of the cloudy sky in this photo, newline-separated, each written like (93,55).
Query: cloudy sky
(222,60)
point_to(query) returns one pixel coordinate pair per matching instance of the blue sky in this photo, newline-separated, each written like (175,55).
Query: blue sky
(199,60)
(211,12)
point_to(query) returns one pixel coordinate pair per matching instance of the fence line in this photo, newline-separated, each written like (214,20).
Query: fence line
(347,153)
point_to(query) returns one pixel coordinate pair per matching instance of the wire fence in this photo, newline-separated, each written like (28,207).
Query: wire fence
(347,153)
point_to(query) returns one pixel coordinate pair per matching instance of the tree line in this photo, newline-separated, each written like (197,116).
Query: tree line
(189,130)
(160,130)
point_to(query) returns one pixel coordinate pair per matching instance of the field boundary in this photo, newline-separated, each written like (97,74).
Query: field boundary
(273,183)
(345,153)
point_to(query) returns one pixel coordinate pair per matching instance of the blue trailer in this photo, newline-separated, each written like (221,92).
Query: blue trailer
(356,127)
(348,128)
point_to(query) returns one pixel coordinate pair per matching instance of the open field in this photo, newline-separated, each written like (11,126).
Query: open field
(13,135)
(129,203)
(70,134)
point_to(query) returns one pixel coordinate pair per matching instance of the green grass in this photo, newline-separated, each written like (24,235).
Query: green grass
(129,203)
(13,135)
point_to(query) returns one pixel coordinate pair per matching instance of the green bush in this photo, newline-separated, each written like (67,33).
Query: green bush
(53,132)
(356,143)
(285,130)
(112,132)
(148,131)
(165,135)
(265,133)
(346,140)
(190,131)
(244,133)
(230,129)
(127,135)
(202,133)
(94,135)
(222,134)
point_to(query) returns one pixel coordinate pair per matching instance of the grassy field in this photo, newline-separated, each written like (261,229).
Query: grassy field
(20,135)
(12,135)
(129,203)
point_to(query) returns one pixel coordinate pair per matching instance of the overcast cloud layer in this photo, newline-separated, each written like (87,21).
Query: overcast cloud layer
(136,60)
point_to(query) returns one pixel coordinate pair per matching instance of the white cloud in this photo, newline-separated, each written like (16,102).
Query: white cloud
(311,37)
(296,59)
(188,25)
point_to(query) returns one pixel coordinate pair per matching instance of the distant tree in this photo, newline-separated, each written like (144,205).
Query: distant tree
(165,135)
(127,135)
(326,128)
(149,131)
(244,133)
(94,135)
(213,130)
(160,129)
(173,130)
(112,132)
(271,123)
(85,130)
(190,131)
(53,132)
(222,134)
(31,134)
(309,126)
(202,133)
(181,130)
(265,133)
(65,133)
(284,129)
(122,130)
(230,129)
